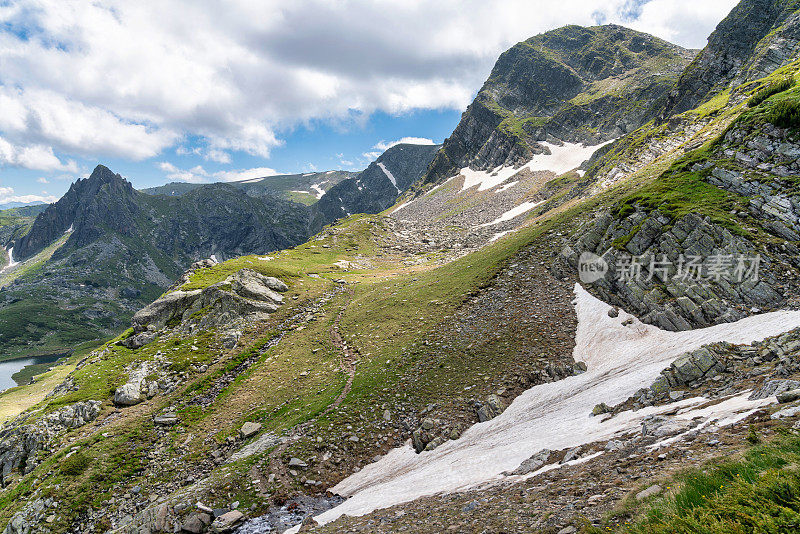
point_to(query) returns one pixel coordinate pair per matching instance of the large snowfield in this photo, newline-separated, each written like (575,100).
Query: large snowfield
(620,359)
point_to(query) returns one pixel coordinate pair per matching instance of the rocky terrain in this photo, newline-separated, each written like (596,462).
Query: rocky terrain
(543,334)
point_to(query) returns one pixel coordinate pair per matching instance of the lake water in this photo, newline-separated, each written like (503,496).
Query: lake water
(9,367)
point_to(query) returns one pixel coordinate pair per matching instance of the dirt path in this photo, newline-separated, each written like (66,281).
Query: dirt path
(348,356)
(347,362)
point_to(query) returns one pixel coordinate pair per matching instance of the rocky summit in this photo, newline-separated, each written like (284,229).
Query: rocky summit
(580,313)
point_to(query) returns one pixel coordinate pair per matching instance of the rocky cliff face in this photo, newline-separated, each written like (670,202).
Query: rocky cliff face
(377,187)
(570,84)
(756,38)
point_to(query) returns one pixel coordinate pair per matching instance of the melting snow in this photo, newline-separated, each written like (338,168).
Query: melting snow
(319,190)
(251,180)
(11,262)
(507,186)
(69,230)
(388,175)
(620,360)
(560,160)
(498,235)
(514,212)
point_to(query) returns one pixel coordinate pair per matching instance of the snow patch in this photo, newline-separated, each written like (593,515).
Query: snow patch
(389,175)
(401,206)
(498,235)
(507,186)
(560,160)
(11,262)
(620,359)
(513,212)
(251,180)
(318,189)
(70,229)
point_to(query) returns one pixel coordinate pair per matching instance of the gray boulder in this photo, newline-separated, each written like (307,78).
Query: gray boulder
(491,408)
(772,388)
(533,463)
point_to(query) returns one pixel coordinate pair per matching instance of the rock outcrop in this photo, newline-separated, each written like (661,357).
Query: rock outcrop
(652,288)
(245,294)
(20,443)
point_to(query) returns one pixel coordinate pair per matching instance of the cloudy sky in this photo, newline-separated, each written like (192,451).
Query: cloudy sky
(201,90)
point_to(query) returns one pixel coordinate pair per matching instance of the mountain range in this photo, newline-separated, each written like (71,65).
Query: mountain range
(580,313)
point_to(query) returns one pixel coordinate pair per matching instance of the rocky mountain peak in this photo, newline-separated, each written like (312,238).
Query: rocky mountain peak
(571,84)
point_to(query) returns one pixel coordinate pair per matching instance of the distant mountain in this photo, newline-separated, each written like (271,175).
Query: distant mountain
(570,84)
(377,187)
(104,249)
(9,205)
(303,188)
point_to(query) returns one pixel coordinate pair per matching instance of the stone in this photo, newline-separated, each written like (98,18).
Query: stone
(788,396)
(128,395)
(227,522)
(572,454)
(613,313)
(491,408)
(791,411)
(166,419)
(297,462)
(533,463)
(568,530)
(600,409)
(196,523)
(249,429)
(308,524)
(655,489)
(774,387)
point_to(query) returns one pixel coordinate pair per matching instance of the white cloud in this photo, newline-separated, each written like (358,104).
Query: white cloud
(43,180)
(7,196)
(198,174)
(34,156)
(383,145)
(131,79)
(219,156)
(245,174)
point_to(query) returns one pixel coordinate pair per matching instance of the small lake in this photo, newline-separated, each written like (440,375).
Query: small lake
(10,367)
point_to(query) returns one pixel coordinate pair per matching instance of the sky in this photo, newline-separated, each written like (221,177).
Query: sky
(203,90)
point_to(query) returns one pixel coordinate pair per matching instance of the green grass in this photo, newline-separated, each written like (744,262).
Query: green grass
(759,493)
(680,191)
(785,114)
(772,88)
